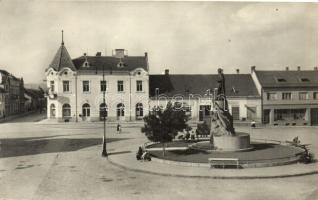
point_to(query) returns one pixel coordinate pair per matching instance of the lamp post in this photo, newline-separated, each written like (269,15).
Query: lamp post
(157,95)
(104,153)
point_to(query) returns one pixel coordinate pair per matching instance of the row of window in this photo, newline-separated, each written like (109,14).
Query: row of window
(103,86)
(103,110)
(288,96)
(289,114)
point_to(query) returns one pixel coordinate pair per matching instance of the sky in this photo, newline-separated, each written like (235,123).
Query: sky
(184,37)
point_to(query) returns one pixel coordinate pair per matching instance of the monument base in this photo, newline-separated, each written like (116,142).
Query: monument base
(238,142)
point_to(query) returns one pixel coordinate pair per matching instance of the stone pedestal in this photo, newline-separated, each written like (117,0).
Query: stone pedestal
(238,142)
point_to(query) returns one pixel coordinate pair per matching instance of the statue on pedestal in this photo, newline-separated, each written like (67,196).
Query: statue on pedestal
(221,119)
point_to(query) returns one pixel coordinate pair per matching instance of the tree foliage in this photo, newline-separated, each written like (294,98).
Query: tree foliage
(163,125)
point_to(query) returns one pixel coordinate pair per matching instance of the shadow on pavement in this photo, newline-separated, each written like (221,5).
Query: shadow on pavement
(261,146)
(120,152)
(32,117)
(39,145)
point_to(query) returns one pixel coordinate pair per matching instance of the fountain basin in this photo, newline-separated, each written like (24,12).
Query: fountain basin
(238,142)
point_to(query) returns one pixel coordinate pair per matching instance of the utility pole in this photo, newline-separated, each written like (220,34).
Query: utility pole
(104,153)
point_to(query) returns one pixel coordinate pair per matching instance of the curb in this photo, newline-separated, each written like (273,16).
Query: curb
(211,177)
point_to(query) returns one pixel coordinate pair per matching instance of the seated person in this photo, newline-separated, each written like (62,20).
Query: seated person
(139,153)
(296,140)
(253,124)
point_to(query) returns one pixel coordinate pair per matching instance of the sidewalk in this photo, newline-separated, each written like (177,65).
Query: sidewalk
(113,123)
(128,161)
(12,117)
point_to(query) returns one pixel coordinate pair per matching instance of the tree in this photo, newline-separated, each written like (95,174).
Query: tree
(163,125)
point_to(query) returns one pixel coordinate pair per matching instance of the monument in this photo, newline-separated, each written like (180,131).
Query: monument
(222,135)
(226,147)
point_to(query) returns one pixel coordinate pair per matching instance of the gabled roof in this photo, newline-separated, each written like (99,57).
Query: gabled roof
(236,85)
(34,93)
(129,63)
(4,72)
(302,78)
(9,75)
(62,59)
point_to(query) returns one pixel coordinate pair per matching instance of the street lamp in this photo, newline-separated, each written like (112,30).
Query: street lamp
(104,153)
(157,95)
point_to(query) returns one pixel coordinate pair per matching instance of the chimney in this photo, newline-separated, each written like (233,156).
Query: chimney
(315,68)
(166,71)
(237,71)
(298,68)
(253,69)
(287,68)
(146,54)
(119,53)
(99,54)
(85,54)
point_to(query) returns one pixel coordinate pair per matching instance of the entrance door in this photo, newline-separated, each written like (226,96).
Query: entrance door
(236,113)
(86,111)
(266,116)
(121,112)
(314,116)
(204,112)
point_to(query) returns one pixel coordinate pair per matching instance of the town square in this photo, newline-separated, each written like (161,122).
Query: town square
(54,161)
(160,100)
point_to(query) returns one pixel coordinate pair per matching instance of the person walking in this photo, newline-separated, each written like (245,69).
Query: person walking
(118,128)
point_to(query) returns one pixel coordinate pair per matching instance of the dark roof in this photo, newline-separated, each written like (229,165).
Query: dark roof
(111,63)
(2,90)
(307,78)
(34,93)
(4,72)
(62,59)
(236,85)
(9,75)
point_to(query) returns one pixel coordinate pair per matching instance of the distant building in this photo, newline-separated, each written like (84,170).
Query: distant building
(11,94)
(195,92)
(289,97)
(2,102)
(34,100)
(76,86)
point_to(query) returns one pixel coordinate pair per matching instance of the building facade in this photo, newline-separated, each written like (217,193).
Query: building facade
(194,93)
(289,97)
(11,94)
(77,87)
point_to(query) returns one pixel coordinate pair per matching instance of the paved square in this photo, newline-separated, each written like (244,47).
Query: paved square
(63,161)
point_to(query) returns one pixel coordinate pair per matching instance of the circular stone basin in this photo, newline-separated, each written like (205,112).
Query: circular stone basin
(262,155)
(238,142)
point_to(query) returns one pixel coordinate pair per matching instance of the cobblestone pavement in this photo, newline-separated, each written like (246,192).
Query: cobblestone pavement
(63,161)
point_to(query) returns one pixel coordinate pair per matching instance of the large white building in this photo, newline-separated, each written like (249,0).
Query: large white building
(76,86)
(76,89)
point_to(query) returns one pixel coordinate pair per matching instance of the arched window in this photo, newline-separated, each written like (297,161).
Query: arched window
(139,111)
(120,110)
(86,110)
(52,110)
(66,110)
(103,110)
